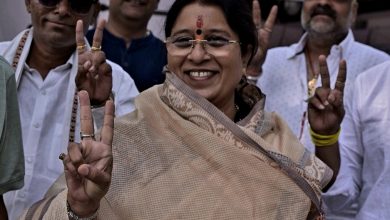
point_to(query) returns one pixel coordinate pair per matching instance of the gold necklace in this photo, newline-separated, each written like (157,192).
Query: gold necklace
(311,85)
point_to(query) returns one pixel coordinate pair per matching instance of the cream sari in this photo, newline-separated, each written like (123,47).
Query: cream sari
(178,157)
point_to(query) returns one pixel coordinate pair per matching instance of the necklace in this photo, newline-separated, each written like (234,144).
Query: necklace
(311,85)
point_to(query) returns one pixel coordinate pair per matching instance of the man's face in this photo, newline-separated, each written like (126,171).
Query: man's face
(135,10)
(328,16)
(55,25)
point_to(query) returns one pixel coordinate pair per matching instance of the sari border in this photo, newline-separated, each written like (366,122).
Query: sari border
(236,130)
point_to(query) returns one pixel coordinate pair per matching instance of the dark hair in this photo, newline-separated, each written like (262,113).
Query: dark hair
(237,13)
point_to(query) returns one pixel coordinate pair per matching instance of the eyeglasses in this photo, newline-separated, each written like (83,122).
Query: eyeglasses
(77,6)
(182,46)
(337,1)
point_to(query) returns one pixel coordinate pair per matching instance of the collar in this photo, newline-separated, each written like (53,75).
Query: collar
(297,48)
(138,42)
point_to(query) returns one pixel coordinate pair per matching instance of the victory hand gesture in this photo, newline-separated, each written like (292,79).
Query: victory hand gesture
(88,165)
(326,108)
(326,112)
(94,73)
(263,34)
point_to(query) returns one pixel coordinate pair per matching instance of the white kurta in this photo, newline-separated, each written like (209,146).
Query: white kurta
(364,176)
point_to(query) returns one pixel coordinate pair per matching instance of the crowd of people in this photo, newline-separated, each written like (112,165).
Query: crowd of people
(223,127)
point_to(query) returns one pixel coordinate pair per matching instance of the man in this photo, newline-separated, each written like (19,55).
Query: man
(50,67)
(365,145)
(11,148)
(290,74)
(128,43)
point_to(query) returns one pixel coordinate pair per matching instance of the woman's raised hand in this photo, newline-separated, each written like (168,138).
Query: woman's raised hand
(88,164)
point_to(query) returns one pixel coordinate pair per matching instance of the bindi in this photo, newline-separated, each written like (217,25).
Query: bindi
(199,25)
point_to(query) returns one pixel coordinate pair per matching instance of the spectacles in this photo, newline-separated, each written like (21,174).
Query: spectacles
(77,6)
(338,1)
(182,46)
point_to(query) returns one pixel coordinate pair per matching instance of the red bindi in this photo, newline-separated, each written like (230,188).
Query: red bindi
(199,22)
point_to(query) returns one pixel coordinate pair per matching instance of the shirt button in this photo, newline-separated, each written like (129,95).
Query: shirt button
(22,194)
(36,125)
(29,160)
(43,92)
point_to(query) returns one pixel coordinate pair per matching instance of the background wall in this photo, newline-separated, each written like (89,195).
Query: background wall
(372,26)
(13,18)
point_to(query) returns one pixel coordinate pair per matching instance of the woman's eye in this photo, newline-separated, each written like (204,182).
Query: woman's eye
(182,42)
(217,41)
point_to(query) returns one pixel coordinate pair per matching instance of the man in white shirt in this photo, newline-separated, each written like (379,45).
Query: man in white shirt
(364,175)
(287,71)
(290,74)
(50,67)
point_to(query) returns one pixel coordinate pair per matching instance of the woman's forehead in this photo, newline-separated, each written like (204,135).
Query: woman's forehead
(196,13)
(196,16)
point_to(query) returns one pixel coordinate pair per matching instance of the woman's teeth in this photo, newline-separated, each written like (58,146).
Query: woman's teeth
(200,74)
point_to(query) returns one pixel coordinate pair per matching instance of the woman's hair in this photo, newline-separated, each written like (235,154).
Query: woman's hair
(237,13)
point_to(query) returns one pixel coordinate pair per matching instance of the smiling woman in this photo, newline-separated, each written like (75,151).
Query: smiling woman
(207,57)
(199,146)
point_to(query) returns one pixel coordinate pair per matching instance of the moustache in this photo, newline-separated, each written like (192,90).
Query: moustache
(323,10)
(137,1)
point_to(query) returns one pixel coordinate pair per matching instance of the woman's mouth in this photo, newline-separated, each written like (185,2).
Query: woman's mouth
(200,75)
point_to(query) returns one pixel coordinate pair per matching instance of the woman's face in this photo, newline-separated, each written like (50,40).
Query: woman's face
(212,70)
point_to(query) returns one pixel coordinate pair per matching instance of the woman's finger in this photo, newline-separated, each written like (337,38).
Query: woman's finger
(75,155)
(86,120)
(108,124)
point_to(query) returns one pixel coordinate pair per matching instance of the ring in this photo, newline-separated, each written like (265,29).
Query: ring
(62,156)
(82,135)
(339,84)
(99,48)
(80,47)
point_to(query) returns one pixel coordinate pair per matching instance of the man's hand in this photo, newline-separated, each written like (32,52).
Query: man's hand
(326,112)
(326,108)
(88,165)
(263,34)
(94,74)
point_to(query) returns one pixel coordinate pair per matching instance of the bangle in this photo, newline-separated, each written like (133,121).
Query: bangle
(73,216)
(324,140)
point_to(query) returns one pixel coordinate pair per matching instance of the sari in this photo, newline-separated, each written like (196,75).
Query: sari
(179,157)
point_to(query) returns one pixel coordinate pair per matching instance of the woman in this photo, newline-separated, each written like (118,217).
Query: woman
(199,146)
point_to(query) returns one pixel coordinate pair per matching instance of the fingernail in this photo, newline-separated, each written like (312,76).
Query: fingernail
(321,107)
(326,103)
(87,64)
